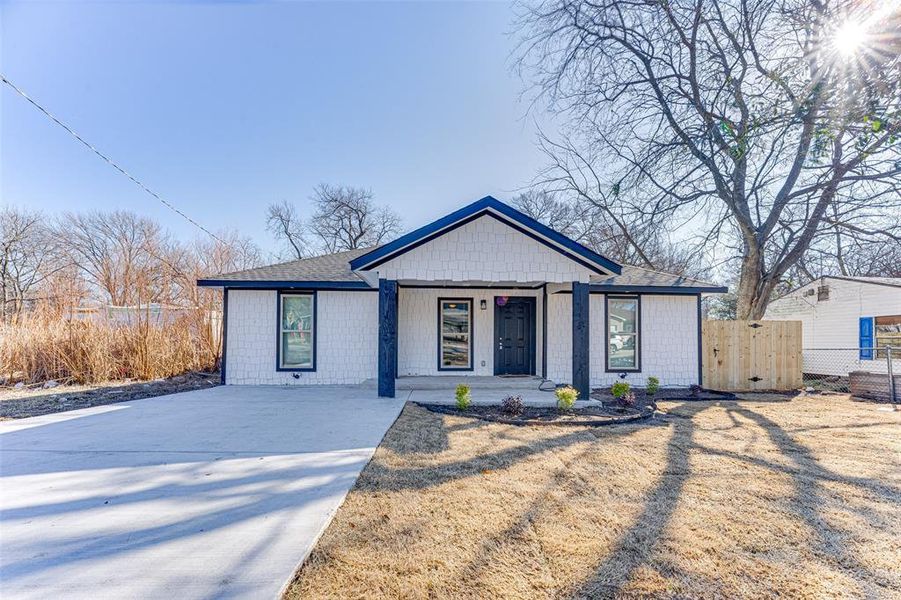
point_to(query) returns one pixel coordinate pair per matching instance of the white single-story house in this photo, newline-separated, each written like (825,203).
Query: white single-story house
(844,322)
(485,290)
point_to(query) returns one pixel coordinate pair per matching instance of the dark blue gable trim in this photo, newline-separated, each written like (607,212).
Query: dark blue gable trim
(428,232)
(285,285)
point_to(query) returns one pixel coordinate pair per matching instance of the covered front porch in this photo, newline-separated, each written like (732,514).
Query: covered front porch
(434,335)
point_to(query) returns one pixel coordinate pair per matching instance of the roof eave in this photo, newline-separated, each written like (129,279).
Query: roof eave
(274,284)
(660,289)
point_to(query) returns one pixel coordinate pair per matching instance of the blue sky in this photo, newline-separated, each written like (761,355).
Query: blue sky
(223,109)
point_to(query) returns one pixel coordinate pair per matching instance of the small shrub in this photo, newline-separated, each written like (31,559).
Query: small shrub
(566,397)
(695,390)
(464,397)
(619,388)
(628,399)
(512,405)
(653,385)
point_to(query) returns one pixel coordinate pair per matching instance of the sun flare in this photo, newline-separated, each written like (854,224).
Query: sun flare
(850,38)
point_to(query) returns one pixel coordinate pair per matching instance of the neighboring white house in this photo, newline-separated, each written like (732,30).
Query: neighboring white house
(843,319)
(485,290)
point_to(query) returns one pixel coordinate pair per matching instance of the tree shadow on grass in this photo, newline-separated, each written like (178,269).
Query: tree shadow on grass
(809,502)
(637,545)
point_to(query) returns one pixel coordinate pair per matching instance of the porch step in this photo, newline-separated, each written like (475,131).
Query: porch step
(475,382)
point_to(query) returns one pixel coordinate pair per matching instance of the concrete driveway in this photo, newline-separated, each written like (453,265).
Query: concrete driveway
(216,493)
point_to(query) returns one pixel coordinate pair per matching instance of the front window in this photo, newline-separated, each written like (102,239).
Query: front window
(296,330)
(622,333)
(455,327)
(888,333)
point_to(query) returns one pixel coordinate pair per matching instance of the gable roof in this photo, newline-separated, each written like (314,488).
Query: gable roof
(327,270)
(503,212)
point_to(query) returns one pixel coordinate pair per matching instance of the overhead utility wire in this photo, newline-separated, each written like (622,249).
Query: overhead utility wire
(169,205)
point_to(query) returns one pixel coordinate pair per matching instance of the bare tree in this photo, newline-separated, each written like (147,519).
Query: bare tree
(347,218)
(115,252)
(766,124)
(584,221)
(27,257)
(283,222)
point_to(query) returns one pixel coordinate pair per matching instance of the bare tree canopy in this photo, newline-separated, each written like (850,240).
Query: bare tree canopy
(770,125)
(587,223)
(28,257)
(347,218)
(283,222)
(344,218)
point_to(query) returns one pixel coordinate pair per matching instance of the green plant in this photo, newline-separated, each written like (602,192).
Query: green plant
(653,385)
(619,388)
(464,396)
(566,397)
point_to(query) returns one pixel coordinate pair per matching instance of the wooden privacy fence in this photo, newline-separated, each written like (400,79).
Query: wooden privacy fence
(743,356)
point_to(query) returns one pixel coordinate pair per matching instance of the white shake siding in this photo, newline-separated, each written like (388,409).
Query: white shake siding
(346,339)
(669,340)
(484,250)
(417,340)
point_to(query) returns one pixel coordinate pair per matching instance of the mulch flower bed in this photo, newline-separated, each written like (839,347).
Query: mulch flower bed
(593,415)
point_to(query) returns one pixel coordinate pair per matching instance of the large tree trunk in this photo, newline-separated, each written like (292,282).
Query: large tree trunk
(754,286)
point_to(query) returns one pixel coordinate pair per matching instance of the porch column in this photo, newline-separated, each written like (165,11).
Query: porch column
(387,337)
(581,379)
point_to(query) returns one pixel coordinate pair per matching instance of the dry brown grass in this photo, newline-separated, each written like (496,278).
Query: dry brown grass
(748,499)
(42,346)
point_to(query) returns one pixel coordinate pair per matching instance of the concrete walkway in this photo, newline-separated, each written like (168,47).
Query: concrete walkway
(218,493)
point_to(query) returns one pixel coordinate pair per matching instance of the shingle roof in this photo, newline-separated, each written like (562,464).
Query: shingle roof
(328,267)
(638,277)
(335,268)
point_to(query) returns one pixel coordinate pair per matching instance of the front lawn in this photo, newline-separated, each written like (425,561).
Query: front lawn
(713,499)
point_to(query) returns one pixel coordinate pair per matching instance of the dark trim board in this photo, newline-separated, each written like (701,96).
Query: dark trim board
(650,290)
(278,330)
(387,353)
(472,358)
(700,346)
(544,331)
(461,286)
(640,336)
(288,285)
(581,339)
(518,221)
(224,340)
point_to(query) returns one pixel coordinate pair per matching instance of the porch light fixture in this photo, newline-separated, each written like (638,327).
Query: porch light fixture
(483,304)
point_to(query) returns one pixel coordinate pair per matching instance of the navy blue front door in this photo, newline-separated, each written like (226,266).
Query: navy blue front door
(514,335)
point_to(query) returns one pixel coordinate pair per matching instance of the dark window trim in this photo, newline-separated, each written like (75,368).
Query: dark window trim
(472,358)
(278,330)
(638,349)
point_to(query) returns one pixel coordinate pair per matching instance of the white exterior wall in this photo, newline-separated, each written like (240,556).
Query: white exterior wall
(833,324)
(668,340)
(346,339)
(484,250)
(417,329)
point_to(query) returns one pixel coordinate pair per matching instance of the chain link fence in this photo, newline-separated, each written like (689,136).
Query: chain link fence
(863,372)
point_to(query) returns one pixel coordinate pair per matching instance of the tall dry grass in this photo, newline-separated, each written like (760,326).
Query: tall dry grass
(44,345)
